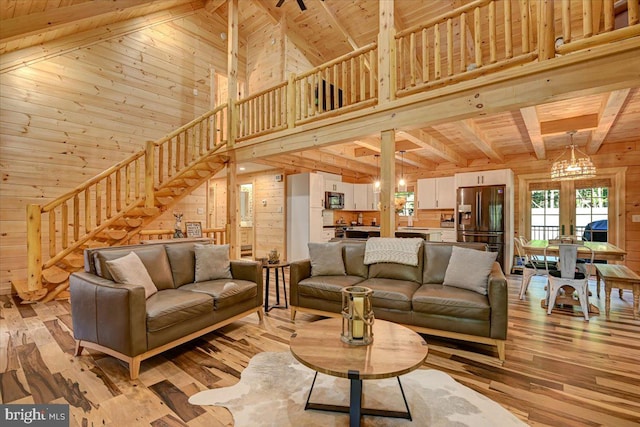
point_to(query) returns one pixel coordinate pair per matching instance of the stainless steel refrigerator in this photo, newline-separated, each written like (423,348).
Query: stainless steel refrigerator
(481,217)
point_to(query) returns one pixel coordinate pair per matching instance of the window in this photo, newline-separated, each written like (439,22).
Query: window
(404,203)
(545,214)
(592,204)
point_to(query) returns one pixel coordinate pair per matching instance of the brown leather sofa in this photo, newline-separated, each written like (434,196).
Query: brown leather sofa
(117,319)
(412,296)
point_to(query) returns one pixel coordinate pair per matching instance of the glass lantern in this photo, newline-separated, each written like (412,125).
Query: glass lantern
(357,315)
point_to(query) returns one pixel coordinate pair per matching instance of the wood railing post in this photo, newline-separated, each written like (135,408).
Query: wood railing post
(291,101)
(387,71)
(149,165)
(34,248)
(546,31)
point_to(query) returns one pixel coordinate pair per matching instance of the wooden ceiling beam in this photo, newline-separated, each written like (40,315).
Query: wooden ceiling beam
(418,161)
(333,21)
(311,160)
(474,135)
(434,146)
(212,5)
(610,109)
(347,155)
(584,122)
(532,123)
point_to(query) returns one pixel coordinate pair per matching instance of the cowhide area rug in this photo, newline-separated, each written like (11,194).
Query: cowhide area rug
(273,390)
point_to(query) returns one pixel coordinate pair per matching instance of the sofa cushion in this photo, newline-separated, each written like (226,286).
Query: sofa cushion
(326,287)
(182,259)
(130,270)
(353,254)
(172,306)
(386,270)
(225,292)
(154,258)
(451,301)
(390,249)
(391,293)
(469,269)
(326,259)
(212,262)
(436,261)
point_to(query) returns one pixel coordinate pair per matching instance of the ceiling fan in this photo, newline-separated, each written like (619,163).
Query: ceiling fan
(300,3)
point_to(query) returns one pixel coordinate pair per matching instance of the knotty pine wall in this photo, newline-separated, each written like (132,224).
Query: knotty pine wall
(68,117)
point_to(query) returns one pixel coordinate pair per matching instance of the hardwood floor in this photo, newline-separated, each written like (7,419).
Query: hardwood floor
(559,371)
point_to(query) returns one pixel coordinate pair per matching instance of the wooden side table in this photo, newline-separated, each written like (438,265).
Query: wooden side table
(621,277)
(279,267)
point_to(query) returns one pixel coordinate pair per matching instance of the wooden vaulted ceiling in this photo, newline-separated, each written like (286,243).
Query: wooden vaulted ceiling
(330,28)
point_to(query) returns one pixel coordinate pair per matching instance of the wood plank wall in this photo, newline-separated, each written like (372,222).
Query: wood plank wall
(67,118)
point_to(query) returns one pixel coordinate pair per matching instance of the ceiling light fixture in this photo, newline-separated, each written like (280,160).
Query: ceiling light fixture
(402,184)
(568,169)
(376,184)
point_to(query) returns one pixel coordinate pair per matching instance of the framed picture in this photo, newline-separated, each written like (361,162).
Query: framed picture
(194,229)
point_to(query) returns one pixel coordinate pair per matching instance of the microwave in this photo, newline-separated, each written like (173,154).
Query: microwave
(333,200)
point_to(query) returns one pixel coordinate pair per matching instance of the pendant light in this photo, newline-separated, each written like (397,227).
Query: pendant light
(376,184)
(402,184)
(572,168)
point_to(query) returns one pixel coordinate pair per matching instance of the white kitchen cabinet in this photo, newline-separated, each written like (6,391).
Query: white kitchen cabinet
(331,185)
(364,198)
(474,179)
(305,196)
(448,235)
(436,193)
(328,234)
(346,188)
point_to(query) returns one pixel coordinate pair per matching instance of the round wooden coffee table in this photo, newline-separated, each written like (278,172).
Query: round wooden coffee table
(395,350)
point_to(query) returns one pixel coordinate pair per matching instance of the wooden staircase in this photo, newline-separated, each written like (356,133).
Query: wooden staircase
(113,207)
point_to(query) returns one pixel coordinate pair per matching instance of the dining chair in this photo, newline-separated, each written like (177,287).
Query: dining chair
(567,274)
(573,240)
(531,265)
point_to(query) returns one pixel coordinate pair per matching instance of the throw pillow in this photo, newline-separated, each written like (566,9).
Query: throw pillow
(130,270)
(469,269)
(326,259)
(212,262)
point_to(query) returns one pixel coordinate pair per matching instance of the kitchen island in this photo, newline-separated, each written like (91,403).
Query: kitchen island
(364,232)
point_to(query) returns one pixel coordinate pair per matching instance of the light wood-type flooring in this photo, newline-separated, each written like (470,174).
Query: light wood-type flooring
(559,371)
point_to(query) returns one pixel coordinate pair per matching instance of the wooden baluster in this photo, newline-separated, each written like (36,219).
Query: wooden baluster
(185,146)
(170,146)
(373,82)
(118,190)
(76,218)
(201,137)
(463,42)
(546,32)
(136,178)
(632,10)
(336,85)
(477,37)
(492,33)
(412,61)
(161,162)
(52,232)
(64,225)
(609,16)
(34,247)
(436,52)
(345,93)
(363,78)
(400,64)
(178,151)
(98,211)
(352,89)
(425,56)
(87,210)
(508,36)
(108,192)
(262,113)
(321,90)
(524,24)
(149,163)
(127,183)
(587,18)
(450,47)
(291,100)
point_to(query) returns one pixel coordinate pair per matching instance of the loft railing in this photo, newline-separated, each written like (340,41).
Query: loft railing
(464,44)
(86,212)
(263,112)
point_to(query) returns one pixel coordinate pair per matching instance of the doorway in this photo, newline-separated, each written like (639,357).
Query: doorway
(246,220)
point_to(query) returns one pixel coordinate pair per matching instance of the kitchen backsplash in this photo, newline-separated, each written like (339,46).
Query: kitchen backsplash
(430,218)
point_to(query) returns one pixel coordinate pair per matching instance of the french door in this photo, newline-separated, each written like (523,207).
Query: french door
(569,208)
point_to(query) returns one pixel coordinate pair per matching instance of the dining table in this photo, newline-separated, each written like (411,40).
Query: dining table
(603,251)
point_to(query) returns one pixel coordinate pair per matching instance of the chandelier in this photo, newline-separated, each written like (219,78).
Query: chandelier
(568,169)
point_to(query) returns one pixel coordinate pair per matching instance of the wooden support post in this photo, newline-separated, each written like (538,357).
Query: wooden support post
(149,201)
(386,52)
(387,183)
(34,248)
(232,70)
(233,213)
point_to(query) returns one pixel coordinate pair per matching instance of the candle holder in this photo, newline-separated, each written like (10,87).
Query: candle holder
(357,315)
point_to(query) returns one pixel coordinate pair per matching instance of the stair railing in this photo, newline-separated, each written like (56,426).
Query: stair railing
(82,214)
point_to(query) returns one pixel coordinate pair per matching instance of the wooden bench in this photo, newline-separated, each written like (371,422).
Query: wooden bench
(621,277)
